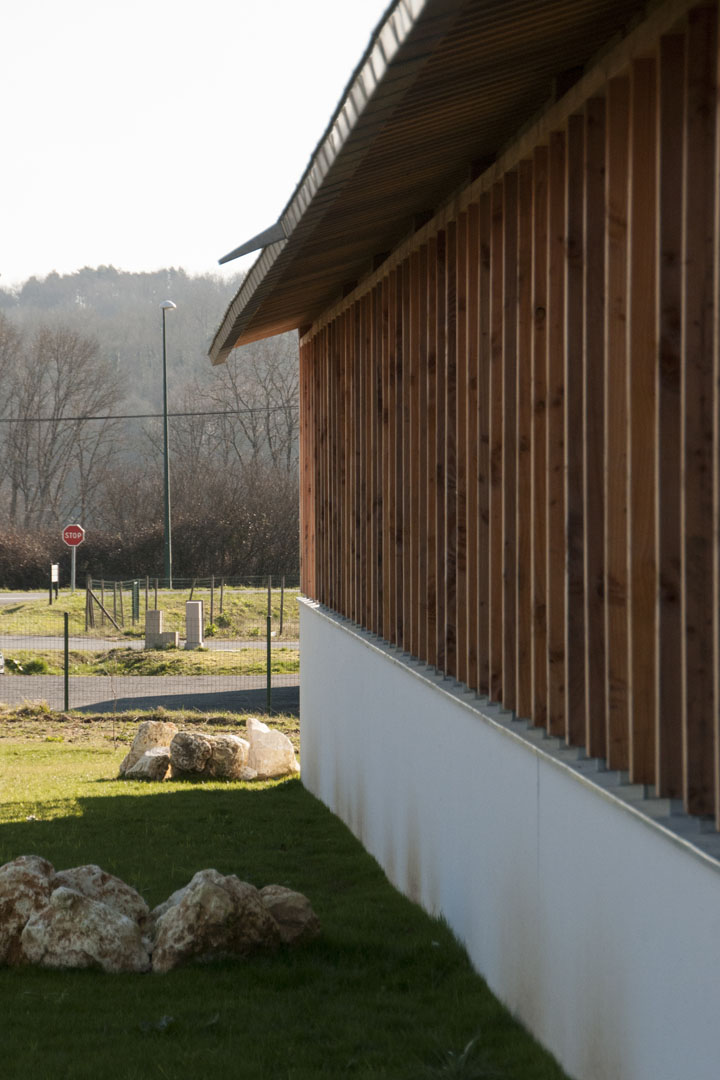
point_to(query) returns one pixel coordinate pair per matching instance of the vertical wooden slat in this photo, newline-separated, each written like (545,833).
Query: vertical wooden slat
(495,508)
(509,437)
(431,448)
(700,599)
(405,463)
(379,559)
(398,462)
(671,99)
(555,436)
(422,434)
(617,749)
(483,443)
(461,401)
(414,453)
(574,437)
(642,351)
(388,379)
(451,450)
(472,270)
(524,516)
(538,524)
(440,449)
(594,417)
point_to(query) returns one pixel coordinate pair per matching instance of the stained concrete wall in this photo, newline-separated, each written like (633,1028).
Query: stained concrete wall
(591,922)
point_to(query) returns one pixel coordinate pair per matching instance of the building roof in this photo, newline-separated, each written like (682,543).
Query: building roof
(442,88)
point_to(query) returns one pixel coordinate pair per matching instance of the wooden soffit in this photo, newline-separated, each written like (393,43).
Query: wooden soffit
(441,90)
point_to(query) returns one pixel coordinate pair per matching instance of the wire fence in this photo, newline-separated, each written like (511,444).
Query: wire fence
(211,644)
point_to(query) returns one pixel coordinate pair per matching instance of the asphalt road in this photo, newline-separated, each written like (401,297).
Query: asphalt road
(206,693)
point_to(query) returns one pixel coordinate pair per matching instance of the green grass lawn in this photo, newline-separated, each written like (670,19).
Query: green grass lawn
(243,615)
(251,661)
(385,992)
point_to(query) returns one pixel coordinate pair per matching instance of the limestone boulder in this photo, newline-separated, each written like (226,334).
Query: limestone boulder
(153,765)
(96,884)
(213,916)
(73,931)
(271,753)
(150,734)
(26,884)
(292,912)
(189,753)
(228,757)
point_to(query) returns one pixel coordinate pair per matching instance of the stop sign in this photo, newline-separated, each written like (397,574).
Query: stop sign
(73,535)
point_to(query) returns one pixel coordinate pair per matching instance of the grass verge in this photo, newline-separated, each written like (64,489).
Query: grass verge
(249,661)
(386,991)
(243,615)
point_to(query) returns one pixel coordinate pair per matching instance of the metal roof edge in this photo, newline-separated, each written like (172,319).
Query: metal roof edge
(387,38)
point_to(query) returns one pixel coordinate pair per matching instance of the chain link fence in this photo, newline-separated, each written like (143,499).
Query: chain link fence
(212,644)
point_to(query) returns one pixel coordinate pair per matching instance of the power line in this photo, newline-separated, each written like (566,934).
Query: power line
(144,416)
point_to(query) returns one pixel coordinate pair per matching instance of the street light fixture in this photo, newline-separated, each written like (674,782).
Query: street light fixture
(167,305)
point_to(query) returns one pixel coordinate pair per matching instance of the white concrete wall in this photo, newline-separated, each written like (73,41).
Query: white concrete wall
(594,925)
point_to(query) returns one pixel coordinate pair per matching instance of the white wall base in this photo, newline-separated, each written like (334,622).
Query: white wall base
(596,926)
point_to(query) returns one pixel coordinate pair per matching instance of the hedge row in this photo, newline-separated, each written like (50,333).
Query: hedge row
(25,557)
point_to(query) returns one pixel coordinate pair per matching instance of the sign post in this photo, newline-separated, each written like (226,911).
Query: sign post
(73,536)
(54,580)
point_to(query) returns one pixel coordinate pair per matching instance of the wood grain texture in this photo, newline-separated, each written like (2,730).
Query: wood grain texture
(594,424)
(538,529)
(642,352)
(617,692)
(671,91)
(700,474)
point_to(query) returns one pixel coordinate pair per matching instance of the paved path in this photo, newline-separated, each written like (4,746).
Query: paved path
(203,692)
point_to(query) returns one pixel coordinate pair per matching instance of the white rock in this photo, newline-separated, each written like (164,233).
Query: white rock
(271,753)
(97,884)
(151,733)
(73,931)
(292,912)
(228,757)
(153,765)
(212,916)
(26,884)
(189,753)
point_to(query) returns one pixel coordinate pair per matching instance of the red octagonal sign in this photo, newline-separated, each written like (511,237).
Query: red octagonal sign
(73,535)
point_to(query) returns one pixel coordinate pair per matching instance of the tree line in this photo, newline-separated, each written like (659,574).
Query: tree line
(66,378)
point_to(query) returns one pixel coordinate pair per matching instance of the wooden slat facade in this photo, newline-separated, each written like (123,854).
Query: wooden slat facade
(511,430)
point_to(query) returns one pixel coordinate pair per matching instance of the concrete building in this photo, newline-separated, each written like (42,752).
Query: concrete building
(503,262)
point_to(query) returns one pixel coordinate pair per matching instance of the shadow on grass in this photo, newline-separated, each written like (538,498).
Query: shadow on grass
(381,993)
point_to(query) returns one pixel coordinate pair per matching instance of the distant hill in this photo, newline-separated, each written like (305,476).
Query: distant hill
(122,310)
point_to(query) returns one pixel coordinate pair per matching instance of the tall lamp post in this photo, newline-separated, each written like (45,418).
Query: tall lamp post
(167,305)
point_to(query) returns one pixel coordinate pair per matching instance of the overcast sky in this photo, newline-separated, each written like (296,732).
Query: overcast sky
(152,133)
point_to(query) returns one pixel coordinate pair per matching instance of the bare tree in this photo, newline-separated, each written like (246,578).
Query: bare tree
(53,454)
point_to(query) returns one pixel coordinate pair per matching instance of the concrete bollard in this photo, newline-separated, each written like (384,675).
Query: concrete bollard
(193,624)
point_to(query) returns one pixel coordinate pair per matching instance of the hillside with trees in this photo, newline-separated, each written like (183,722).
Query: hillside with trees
(80,358)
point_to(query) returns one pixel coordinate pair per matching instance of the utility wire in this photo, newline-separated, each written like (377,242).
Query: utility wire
(143,416)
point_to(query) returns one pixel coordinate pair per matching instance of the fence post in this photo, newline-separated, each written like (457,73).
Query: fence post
(282,604)
(268,659)
(212,599)
(222,591)
(66,667)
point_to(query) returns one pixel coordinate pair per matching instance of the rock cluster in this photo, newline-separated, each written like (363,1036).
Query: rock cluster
(85,917)
(160,750)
